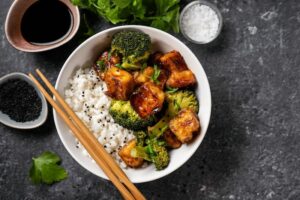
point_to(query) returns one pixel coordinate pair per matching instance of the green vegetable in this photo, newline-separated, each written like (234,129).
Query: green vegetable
(162,14)
(140,137)
(180,100)
(134,46)
(123,114)
(155,152)
(155,75)
(45,169)
(101,65)
(119,66)
(176,101)
(170,89)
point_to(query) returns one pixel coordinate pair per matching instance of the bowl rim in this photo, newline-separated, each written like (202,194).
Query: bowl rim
(142,28)
(44,112)
(214,8)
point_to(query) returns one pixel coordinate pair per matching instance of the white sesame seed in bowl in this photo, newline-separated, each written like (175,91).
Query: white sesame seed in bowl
(84,92)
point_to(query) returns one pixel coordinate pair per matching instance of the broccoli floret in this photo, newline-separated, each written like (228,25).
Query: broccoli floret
(161,156)
(133,46)
(181,99)
(176,101)
(123,114)
(140,137)
(154,152)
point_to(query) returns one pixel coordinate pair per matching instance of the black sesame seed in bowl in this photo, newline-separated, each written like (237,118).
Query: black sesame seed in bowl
(22,106)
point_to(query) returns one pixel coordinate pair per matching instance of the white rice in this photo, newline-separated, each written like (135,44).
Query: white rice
(86,97)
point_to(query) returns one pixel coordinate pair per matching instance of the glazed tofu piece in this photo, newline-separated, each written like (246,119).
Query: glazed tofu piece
(146,75)
(181,79)
(125,155)
(184,125)
(120,83)
(104,62)
(155,58)
(143,76)
(180,75)
(173,61)
(147,100)
(171,139)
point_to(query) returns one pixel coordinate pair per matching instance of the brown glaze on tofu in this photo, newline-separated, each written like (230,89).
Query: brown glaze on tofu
(145,75)
(125,154)
(184,125)
(171,139)
(173,61)
(180,75)
(120,83)
(181,79)
(107,61)
(147,100)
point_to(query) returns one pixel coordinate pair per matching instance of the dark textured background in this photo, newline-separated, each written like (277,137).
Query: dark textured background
(251,150)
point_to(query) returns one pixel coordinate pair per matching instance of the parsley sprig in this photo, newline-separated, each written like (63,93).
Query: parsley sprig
(45,169)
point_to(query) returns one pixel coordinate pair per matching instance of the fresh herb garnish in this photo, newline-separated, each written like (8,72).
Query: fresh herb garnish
(108,56)
(101,65)
(119,66)
(176,105)
(144,66)
(160,14)
(171,90)
(45,169)
(155,75)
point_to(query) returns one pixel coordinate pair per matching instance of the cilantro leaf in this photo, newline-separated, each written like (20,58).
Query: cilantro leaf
(171,90)
(44,169)
(155,75)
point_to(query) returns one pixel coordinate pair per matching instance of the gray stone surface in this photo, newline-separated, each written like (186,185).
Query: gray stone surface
(251,150)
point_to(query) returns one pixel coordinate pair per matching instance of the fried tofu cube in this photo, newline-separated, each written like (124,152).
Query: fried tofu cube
(171,139)
(184,125)
(120,83)
(173,61)
(125,155)
(181,79)
(155,58)
(143,76)
(180,75)
(147,100)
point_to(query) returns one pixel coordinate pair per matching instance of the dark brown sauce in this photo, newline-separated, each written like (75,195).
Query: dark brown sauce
(46,21)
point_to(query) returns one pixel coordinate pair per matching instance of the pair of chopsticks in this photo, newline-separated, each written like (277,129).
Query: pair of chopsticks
(89,141)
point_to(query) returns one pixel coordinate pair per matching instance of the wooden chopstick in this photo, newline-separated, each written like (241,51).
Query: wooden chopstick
(86,143)
(108,159)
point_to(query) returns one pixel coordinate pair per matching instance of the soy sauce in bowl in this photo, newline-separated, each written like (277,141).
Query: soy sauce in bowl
(46,22)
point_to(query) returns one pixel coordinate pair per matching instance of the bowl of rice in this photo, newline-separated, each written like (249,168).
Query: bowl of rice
(84,91)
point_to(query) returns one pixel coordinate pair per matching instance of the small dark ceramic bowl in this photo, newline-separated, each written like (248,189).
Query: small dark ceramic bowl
(13,27)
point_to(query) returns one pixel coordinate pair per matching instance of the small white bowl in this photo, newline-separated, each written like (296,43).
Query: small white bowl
(5,119)
(87,53)
(213,7)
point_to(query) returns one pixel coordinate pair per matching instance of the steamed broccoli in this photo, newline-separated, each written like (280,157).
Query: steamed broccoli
(123,114)
(181,99)
(140,137)
(176,101)
(133,46)
(154,152)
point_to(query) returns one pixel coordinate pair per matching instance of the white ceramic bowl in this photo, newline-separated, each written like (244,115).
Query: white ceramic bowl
(24,125)
(88,52)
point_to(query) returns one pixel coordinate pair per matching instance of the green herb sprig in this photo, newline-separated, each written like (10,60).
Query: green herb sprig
(162,14)
(45,169)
